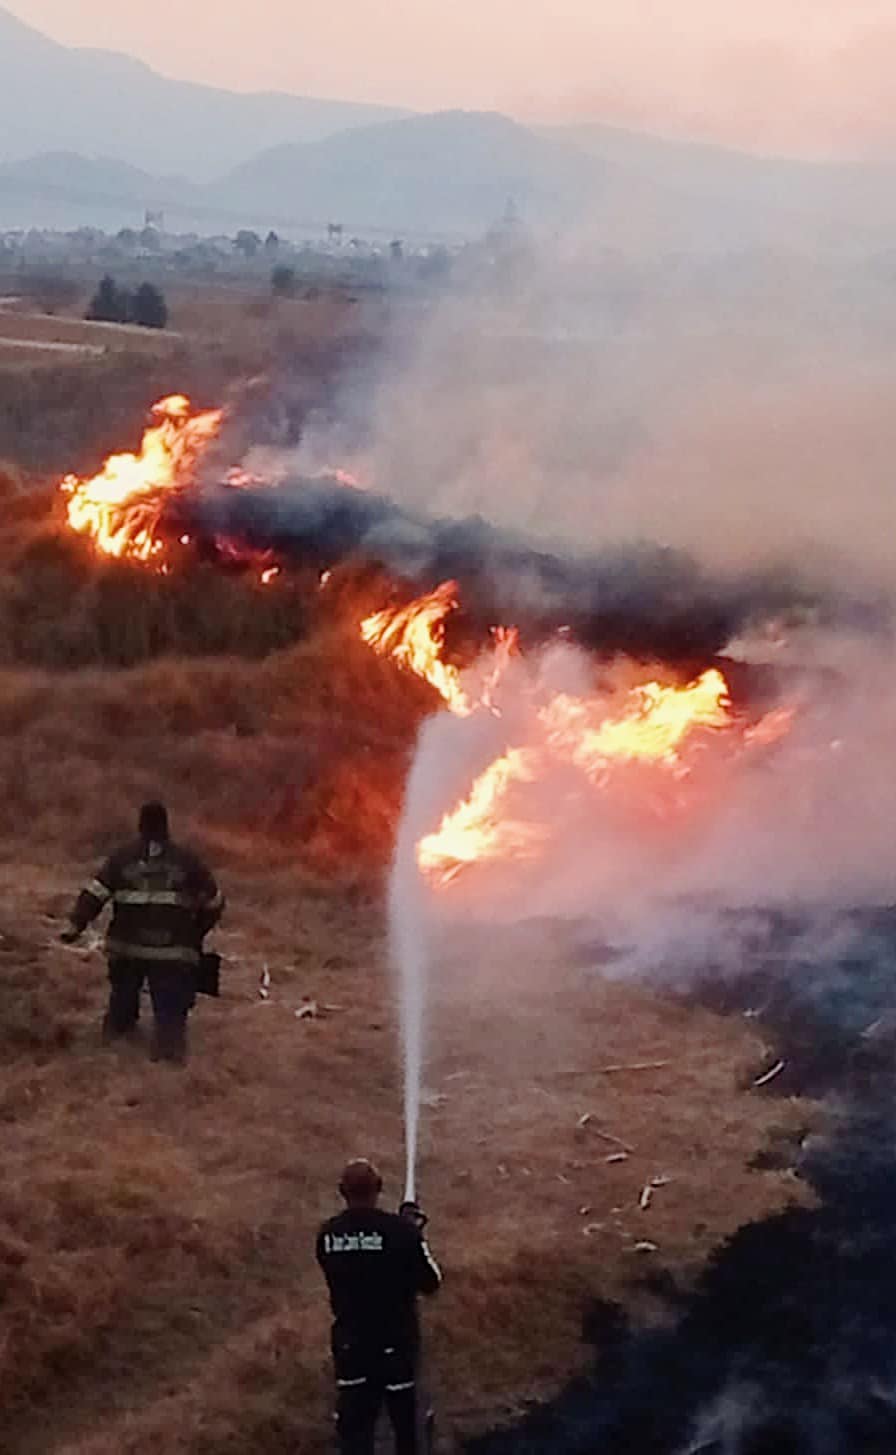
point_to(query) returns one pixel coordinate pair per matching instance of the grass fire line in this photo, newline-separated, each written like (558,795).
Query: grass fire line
(664,728)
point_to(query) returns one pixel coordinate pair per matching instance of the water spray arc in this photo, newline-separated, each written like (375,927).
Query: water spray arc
(409,944)
(407,935)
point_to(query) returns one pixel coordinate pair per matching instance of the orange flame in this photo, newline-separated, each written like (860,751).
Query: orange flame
(657,726)
(414,636)
(479,828)
(653,727)
(120,507)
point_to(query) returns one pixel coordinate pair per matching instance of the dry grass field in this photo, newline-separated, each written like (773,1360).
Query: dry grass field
(156,1226)
(72,391)
(41,330)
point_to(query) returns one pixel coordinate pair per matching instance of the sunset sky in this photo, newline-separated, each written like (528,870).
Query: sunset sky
(812,77)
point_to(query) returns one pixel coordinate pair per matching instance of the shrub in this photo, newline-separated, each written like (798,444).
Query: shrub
(148,307)
(109,304)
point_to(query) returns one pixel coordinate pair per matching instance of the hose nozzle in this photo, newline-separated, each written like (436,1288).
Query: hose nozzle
(413,1213)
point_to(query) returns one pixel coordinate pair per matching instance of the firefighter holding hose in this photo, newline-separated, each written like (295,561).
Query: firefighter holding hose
(376,1265)
(164,901)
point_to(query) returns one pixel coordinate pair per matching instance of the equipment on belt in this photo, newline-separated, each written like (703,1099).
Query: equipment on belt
(208,974)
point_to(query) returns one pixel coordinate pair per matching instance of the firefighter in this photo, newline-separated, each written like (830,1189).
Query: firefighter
(376,1263)
(164,901)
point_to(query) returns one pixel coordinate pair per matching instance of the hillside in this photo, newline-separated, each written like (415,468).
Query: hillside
(449,170)
(217,160)
(105,104)
(451,173)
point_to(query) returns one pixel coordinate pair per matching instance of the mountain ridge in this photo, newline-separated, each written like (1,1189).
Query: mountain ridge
(165,124)
(223,159)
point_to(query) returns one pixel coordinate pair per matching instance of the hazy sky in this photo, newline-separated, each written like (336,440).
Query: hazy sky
(808,76)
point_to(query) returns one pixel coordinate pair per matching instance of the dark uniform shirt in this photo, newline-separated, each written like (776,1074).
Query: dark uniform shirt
(375,1264)
(164,900)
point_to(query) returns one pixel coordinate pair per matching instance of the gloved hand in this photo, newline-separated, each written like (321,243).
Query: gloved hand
(70,936)
(413,1213)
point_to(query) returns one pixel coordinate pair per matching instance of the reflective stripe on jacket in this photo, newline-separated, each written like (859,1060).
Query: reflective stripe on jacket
(164,899)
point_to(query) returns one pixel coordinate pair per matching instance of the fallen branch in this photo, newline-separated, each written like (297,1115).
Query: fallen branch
(770,1075)
(648,1190)
(588,1121)
(633,1066)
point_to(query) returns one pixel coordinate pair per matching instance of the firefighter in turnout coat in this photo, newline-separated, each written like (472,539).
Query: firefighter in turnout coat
(376,1264)
(164,900)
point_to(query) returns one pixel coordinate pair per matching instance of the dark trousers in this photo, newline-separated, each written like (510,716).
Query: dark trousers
(172,992)
(365,1382)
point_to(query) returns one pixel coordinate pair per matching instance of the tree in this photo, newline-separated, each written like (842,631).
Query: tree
(148,307)
(283,282)
(247,243)
(109,304)
(272,244)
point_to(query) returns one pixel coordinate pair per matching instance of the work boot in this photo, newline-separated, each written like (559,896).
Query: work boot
(169,1042)
(111,1034)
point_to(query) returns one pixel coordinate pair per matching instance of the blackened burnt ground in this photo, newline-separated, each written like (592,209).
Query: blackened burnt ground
(786,1345)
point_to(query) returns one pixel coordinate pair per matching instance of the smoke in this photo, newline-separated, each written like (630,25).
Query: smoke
(737,408)
(643,599)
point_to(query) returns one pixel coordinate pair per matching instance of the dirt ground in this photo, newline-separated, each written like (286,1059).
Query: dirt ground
(158,1285)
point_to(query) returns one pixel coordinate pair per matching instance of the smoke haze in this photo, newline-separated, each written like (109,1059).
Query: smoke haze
(738,411)
(802,78)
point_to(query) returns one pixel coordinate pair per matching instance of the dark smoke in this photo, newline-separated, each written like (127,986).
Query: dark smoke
(787,1344)
(643,599)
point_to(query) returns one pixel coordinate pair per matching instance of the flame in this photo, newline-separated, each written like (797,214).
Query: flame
(653,727)
(120,507)
(414,637)
(658,726)
(478,828)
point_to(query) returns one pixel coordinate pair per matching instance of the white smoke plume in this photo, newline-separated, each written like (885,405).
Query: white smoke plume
(736,417)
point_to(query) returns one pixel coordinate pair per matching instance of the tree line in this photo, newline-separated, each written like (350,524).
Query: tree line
(145,306)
